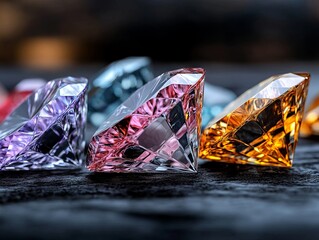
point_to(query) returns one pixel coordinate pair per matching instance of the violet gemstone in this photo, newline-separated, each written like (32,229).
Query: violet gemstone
(157,129)
(47,130)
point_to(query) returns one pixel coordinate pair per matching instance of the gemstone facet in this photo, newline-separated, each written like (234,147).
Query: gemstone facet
(18,95)
(310,124)
(115,84)
(261,127)
(157,129)
(47,130)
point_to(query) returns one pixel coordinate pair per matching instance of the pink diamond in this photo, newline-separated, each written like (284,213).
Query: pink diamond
(156,129)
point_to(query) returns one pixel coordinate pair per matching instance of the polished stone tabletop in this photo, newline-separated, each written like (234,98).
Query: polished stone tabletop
(220,202)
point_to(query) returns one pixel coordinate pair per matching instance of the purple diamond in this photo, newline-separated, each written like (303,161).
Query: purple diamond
(47,130)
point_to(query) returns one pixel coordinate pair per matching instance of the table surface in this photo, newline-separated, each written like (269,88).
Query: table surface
(219,202)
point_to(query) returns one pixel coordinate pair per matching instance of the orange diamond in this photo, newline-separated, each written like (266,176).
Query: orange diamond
(310,124)
(261,126)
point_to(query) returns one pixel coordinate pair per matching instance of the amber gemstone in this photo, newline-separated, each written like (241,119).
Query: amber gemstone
(260,127)
(310,124)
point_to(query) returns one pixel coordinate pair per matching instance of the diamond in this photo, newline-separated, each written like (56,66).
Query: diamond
(46,131)
(115,84)
(215,105)
(260,127)
(310,124)
(157,129)
(18,95)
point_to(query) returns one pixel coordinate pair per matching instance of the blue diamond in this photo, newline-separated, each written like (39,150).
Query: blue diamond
(215,100)
(115,84)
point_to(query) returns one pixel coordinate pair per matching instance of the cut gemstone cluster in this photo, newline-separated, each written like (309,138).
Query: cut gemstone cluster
(47,130)
(261,126)
(156,129)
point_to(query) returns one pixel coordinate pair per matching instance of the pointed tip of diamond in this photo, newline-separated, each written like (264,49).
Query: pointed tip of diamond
(155,130)
(303,74)
(46,130)
(261,126)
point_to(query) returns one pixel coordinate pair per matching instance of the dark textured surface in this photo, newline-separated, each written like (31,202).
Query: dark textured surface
(220,202)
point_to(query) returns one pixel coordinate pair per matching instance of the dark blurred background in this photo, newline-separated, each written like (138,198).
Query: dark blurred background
(53,33)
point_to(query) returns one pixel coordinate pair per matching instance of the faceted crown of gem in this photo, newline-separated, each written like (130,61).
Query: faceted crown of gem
(261,126)
(115,84)
(46,130)
(156,129)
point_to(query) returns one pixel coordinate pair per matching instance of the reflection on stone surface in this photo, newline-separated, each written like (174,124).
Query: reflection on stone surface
(47,130)
(115,84)
(261,126)
(157,129)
